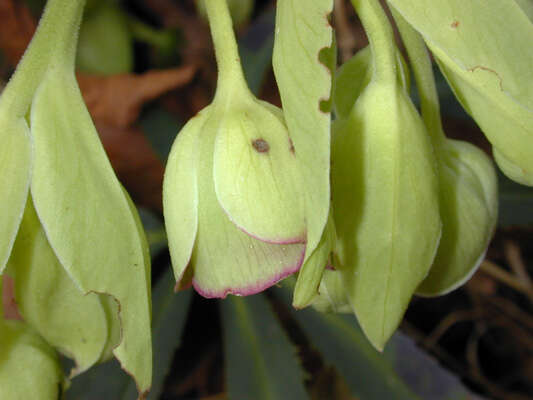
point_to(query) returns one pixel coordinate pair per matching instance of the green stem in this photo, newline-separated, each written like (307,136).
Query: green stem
(230,74)
(425,80)
(53,44)
(381,38)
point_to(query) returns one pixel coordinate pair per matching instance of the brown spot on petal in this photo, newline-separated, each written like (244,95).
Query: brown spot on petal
(291,146)
(455,24)
(261,145)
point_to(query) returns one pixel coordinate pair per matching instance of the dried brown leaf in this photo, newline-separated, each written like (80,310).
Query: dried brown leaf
(17,26)
(117,100)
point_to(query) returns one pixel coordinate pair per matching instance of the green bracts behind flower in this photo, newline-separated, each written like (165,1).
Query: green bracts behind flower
(476,46)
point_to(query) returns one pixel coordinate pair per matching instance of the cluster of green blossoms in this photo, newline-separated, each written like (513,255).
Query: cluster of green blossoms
(72,242)
(367,210)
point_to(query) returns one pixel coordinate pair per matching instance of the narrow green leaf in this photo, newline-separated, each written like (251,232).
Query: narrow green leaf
(87,217)
(260,360)
(302,31)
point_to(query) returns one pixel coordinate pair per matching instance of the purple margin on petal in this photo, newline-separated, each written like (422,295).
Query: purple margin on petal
(253,289)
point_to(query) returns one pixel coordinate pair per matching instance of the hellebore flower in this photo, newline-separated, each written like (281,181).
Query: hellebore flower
(80,260)
(385,191)
(488,68)
(29,367)
(467,180)
(233,197)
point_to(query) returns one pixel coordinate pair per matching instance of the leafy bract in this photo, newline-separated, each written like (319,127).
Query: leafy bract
(74,189)
(302,31)
(49,300)
(15,164)
(311,273)
(260,360)
(480,49)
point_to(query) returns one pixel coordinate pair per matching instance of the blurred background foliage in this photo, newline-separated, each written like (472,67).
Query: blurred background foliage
(146,67)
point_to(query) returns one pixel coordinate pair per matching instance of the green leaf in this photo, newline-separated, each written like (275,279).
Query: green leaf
(15,164)
(49,301)
(480,50)
(304,82)
(87,217)
(105,43)
(260,361)
(343,345)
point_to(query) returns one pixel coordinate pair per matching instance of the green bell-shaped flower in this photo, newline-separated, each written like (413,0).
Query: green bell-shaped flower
(385,191)
(467,182)
(84,223)
(480,50)
(233,198)
(29,367)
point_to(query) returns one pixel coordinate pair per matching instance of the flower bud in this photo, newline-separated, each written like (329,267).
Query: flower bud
(469,208)
(29,367)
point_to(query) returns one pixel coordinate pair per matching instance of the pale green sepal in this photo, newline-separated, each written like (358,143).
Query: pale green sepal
(469,210)
(180,194)
(225,259)
(86,216)
(29,368)
(256,173)
(50,302)
(313,269)
(385,204)
(355,74)
(304,82)
(15,164)
(481,51)
(331,296)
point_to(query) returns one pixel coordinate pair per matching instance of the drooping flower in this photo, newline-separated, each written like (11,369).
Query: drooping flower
(79,221)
